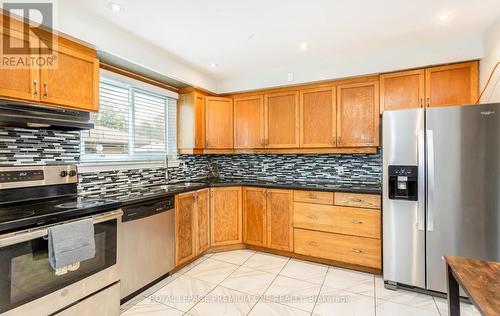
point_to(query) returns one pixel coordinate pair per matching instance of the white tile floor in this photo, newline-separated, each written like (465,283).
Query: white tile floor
(245,282)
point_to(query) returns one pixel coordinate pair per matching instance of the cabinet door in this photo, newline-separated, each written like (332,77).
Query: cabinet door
(184,227)
(402,90)
(254,216)
(358,115)
(219,123)
(282,120)
(249,122)
(199,120)
(318,118)
(202,220)
(452,84)
(226,216)
(280,219)
(16,82)
(74,83)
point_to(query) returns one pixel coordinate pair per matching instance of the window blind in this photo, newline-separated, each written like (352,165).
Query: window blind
(131,123)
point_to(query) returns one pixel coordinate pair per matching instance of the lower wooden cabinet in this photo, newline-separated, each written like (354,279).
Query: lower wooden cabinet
(267,218)
(354,250)
(225,216)
(192,230)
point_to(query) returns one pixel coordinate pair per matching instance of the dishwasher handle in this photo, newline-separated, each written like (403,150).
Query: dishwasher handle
(146,209)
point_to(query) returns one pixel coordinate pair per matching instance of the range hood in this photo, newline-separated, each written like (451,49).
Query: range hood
(41,117)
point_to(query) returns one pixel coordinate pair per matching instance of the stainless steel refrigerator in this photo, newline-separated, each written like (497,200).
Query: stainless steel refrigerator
(441,191)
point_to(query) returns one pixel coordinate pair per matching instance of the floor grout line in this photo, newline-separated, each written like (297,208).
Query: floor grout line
(320,289)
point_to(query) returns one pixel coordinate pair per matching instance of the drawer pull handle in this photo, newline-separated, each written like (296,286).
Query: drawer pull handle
(312,196)
(356,250)
(313,243)
(312,217)
(355,221)
(357,200)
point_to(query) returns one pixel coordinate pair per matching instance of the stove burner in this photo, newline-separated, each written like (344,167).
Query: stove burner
(9,215)
(81,204)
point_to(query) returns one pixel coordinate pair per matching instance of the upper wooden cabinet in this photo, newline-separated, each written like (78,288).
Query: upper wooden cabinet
(191,121)
(249,122)
(225,216)
(449,85)
(358,114)
(318,118)
(71,82)
(74,83)
(219,123)
(402,90)
(282,120)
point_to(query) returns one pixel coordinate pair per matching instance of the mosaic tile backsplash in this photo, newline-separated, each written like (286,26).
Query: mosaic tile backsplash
(360,168)
(21,146)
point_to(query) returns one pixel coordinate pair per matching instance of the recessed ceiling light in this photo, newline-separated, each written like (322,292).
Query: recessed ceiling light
(303,46)
(213,65)
(443,17)
(113,6)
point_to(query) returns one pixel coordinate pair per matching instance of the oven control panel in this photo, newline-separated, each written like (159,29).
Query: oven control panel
(24,175)
(32,176)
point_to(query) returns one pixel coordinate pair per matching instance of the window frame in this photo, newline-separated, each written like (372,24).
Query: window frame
(132,155)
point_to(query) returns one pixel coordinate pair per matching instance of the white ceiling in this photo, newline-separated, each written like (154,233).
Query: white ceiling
(264,36)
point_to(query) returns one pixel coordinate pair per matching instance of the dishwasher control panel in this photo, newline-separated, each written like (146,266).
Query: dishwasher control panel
(147,208)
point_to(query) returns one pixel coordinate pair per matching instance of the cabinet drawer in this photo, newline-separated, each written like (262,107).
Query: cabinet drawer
(357,200)
(313,197)
(337,219)
(348,249)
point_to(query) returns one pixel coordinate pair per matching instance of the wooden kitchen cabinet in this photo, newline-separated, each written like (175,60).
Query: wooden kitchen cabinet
(449,85)
(71,82)
(225,216)
(191,118)
(202,220)
(318,118)
(192,224)
(254,216)
(267,218)
(218,123)
(282,120)
(74,83)
(358,114)
(402,90)
(249,122)
(185,208)
(279,219)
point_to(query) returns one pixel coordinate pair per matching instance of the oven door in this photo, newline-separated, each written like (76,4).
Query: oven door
(29,285)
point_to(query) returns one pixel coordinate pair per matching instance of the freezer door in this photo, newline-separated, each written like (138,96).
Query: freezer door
(463,213)
(403,221)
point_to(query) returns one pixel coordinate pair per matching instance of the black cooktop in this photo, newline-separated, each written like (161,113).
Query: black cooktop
(26,214)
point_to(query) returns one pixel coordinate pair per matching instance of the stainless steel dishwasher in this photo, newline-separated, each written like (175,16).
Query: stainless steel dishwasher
(147,244)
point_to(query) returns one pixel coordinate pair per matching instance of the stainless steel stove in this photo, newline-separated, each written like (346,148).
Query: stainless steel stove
(32,199)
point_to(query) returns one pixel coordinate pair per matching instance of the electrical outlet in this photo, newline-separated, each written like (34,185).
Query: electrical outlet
(340,170)
(264,167)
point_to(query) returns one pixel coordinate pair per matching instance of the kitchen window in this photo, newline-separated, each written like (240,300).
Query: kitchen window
(132,124)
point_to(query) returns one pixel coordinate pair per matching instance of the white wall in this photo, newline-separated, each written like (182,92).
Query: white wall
(491,57)
(390,59)
(81,24)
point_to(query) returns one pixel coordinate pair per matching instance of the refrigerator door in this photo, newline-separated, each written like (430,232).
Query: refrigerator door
(463,209)
(403,220)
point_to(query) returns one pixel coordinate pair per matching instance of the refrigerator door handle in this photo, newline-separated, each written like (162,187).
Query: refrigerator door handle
(431,180)
(421,177)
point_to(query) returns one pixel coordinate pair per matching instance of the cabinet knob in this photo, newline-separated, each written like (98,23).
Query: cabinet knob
(312,196)
(313,244)
(421,102)
(312,217)
(357,200)
(35,84)
(357,250)
(428,101)
(45,89)
(334,140)
(355,221)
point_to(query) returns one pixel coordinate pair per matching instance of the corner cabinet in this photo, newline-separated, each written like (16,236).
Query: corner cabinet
(225,216)
(268,218)
(358,114)
(72,82)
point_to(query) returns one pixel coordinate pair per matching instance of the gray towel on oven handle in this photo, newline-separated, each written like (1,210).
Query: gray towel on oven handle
(71,242)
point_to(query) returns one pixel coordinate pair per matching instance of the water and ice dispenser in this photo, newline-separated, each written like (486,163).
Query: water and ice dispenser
(403,183)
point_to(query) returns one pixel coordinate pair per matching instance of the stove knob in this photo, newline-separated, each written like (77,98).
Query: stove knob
(63,174)
(72,173)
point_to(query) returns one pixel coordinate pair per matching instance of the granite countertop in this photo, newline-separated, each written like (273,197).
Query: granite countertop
(131,195)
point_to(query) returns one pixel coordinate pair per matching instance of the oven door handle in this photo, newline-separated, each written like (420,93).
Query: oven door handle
(30,234)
